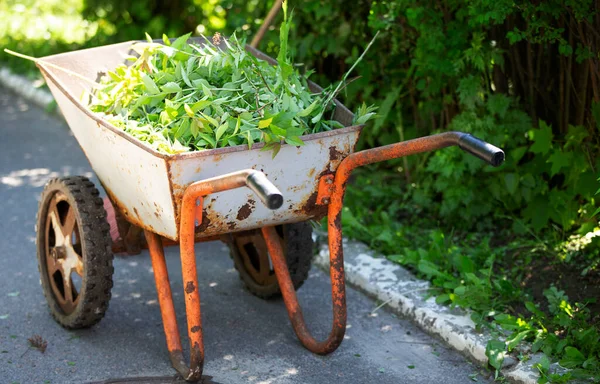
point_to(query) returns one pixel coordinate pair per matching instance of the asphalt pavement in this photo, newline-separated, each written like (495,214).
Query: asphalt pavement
(247,340)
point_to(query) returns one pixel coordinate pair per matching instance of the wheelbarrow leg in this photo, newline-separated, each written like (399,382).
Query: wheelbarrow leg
(332,190)
(191,215)
(167,310)
(338,292)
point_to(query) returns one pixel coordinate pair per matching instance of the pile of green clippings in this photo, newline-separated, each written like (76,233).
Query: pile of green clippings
(182,96)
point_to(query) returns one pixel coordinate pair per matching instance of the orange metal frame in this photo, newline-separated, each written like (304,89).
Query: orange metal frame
(331,192)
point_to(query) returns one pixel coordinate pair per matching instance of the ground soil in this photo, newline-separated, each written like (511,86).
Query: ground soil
(542,272)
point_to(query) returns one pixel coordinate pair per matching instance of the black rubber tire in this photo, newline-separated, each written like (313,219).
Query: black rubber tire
(297,243)
(96,253)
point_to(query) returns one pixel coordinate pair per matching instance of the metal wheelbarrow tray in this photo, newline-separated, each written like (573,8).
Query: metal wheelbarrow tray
(194,197)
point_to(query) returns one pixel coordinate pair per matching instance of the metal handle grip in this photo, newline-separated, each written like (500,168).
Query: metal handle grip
(268,193)
(485,151)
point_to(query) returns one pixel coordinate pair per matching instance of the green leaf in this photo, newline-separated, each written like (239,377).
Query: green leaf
(171,87)
(518,153)
(443,299)
(428,268)
(277,130)
(209,139)
(276,147)
(514,341)
(221,130)
(495,351)
(308,110)
(150,84)
(364,118)
(200,105)
(249,138)
(237,126)
(511,181)
(283,38)
(214,122)
(544,364)
(188,110)
(559,160)
(294,140)
(572,358)
(181,40)
(194,128)
(542,139)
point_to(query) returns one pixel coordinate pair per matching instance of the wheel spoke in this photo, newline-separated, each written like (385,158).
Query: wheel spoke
(79,267)
(68,287)
(263,261)
(51,264)
(69,225)
(58,293)
(55,222)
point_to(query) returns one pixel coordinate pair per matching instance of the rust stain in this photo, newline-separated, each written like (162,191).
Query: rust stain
(296,188)
(311,208)
(189,287)
(205,222)
(246,210)
(311,172)
(231,225)
(334,154)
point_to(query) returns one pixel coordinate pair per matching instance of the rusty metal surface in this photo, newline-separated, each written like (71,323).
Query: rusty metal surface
(338,295)
(147,186)
(325,189)
(167,310)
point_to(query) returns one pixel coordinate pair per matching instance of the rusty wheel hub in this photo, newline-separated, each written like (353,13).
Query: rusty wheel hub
(64,261)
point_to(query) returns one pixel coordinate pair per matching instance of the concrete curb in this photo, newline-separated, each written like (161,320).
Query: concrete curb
(403,293)
(25,88)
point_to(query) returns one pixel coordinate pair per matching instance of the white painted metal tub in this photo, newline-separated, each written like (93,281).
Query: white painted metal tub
(147,186)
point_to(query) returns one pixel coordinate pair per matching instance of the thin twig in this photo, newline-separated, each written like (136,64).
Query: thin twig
(27,350)
(43,62)
(403,294)
(332,95)
(263,79)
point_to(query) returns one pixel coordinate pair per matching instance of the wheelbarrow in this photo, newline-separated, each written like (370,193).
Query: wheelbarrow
(193,197)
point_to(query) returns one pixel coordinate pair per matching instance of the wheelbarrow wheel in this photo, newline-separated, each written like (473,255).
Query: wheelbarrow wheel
(251,258)
(74,251)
